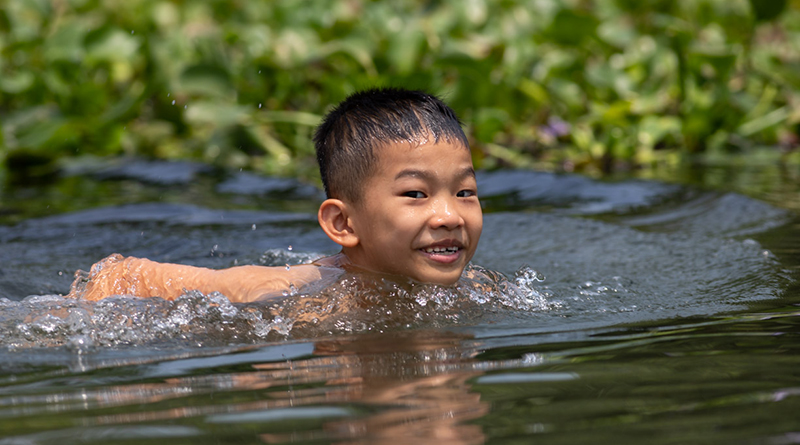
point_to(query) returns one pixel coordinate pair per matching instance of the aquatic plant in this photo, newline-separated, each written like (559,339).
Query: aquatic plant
(572,84)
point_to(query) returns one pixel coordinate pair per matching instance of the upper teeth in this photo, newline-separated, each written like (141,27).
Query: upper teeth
(441,249)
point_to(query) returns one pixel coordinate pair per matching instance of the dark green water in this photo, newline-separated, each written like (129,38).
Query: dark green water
(669,315)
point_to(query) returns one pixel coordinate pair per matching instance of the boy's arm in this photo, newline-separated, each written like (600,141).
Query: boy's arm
(116,275)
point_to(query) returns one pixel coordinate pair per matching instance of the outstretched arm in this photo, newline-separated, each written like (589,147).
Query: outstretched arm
(117,275)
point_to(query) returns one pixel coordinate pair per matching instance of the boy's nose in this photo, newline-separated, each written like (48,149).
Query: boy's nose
(445,214)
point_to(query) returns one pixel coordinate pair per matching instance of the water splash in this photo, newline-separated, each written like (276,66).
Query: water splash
(283,257)
(351,303)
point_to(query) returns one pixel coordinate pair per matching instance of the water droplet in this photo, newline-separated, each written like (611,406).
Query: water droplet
(259,71)
(289,248)
(253,227)
(185,107)
(173,101)
(131,32)
(169,94)
(259,105)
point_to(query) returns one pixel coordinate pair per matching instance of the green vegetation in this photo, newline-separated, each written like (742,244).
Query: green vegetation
(575,84)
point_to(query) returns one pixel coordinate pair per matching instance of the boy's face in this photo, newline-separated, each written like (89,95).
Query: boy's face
(419,215)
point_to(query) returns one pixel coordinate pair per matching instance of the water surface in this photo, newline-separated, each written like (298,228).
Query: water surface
(668,315)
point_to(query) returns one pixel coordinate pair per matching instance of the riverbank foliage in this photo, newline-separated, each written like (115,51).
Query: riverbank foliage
(571,84)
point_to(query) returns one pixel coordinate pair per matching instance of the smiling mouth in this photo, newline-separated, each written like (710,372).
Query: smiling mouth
(442,250)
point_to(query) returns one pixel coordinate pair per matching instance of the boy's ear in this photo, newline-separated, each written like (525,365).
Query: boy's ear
(334,218)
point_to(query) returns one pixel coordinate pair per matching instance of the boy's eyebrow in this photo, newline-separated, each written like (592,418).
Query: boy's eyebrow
(426,174)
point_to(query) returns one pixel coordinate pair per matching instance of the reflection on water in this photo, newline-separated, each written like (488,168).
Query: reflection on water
(385,388)
(669,315)
(418,379)
(724,379)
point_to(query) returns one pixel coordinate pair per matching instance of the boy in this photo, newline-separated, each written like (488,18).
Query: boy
(401,200)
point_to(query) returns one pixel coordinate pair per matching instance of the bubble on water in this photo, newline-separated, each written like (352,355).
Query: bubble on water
(283,256)
(46,324)
(80,344)
(79,320)
(281,326)
(596,288)
(261,327)
(48,300)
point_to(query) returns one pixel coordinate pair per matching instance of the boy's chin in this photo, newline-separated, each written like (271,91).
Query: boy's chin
(442,279)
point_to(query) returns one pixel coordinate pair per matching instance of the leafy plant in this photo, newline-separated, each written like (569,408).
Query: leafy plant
(578,84)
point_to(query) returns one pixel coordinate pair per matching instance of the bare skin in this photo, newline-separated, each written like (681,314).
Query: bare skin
(117,275)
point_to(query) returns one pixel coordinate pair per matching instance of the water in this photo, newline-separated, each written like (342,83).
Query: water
(668,315)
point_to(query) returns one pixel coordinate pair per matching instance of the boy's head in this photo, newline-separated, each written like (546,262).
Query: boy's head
(351,134)
(402,196)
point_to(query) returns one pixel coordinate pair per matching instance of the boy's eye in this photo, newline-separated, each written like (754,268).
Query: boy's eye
(466,193)
(416,194)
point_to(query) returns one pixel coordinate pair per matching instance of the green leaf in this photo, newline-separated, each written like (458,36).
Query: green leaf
(653,129)
(488,122)
(291,117)
(119,109)
(206,80)
(766,10)
(66,44)
(16,82)
(761,123)
(723,59)
(404,49)
(38,135)
(217,114)
(614,114)
(357,49)
(572,27)
(111,45)
(533,90)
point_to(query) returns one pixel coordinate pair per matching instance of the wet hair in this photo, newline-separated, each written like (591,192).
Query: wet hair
(348,137)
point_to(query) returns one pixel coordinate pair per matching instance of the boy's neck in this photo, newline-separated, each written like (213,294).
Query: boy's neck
(340,260)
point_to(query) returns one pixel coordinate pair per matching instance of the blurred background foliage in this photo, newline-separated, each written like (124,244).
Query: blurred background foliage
(594,86)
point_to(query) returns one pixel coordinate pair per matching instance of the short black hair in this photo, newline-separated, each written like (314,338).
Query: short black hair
(349,134)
